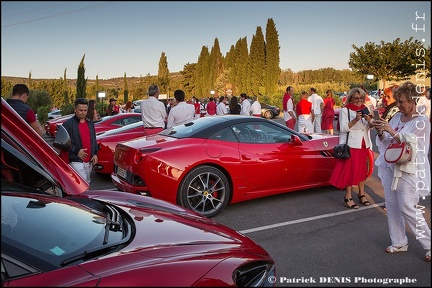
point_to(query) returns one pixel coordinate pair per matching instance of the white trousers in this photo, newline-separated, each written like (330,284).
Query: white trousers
(317,123)
(304,123)
(402,209)
(84,169)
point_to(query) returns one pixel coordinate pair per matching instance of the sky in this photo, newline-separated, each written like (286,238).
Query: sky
(46,37)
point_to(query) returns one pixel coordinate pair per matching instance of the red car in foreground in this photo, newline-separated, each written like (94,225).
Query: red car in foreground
(212,161)
(56,232)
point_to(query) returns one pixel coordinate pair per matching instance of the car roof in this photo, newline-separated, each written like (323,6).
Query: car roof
(205,127)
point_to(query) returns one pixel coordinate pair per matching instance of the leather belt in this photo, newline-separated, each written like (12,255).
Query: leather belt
(153,128)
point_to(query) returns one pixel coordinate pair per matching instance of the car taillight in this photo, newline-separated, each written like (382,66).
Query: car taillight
(144,152)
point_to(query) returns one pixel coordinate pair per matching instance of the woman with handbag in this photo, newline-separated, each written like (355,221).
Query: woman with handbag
(355,128)
(405,182)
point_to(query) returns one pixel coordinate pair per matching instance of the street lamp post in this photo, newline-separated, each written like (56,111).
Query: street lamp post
(101,95)
(212,92)
(369,77)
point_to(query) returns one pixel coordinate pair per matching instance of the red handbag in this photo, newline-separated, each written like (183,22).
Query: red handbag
(398,153)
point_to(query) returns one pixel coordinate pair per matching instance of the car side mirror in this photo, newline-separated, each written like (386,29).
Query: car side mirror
(296,140)
(62,140)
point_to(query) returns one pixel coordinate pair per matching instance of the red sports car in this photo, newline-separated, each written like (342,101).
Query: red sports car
(212,161)
(107,142)
(106,123)
(116,121)
(57,233)
(51,125)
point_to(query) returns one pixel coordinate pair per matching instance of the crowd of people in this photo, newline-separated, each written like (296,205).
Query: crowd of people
(404,117)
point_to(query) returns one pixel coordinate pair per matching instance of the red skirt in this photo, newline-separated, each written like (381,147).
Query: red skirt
(351,171)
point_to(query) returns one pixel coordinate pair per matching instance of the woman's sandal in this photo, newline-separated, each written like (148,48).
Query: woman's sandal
(354,206)
(394,249)
(365,202)
(427,256)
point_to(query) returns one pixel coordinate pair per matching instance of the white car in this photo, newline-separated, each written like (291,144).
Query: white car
(54,114)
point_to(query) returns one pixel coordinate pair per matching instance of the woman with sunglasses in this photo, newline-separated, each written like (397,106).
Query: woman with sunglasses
(354,125)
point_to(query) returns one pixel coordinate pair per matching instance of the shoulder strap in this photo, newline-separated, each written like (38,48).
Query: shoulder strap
(348,123)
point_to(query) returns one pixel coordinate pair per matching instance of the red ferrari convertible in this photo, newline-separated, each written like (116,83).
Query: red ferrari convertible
(212,161)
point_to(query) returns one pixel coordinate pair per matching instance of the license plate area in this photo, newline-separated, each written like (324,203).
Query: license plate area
(121,172)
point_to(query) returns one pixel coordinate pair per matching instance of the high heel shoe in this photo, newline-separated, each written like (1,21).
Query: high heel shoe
(394,249)
(364,202)
(354,206)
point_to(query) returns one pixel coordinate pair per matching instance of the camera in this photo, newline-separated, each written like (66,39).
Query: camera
(364,111)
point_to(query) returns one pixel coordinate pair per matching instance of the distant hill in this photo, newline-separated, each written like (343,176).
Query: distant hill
(113,82)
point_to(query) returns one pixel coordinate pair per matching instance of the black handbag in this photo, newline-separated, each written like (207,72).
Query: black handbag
(342,151)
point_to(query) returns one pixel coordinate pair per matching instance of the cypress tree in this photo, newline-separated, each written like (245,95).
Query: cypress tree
(125,89)
(256,63)
(163,74)
(81,81)
(272,59)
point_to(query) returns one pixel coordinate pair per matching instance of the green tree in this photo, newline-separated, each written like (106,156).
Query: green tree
(65,89)
(256,63)
(6,87)
(163,74)
(272,59)
(216,64)
(81,81)
(202,73)
(125,89)
(390,61)
(29,81)
(188,81)
(237,75)
(97,89)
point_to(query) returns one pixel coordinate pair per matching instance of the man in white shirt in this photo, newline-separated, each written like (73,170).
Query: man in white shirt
(255,108)
(317,108)
(221,108)
(182,112)
(153,112)
(245,104)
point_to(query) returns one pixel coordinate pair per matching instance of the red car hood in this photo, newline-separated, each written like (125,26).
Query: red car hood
(180,233)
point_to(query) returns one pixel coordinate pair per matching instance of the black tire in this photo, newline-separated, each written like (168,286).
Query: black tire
(268,114)
(205,190)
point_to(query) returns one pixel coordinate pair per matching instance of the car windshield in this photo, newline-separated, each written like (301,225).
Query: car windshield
(53,230)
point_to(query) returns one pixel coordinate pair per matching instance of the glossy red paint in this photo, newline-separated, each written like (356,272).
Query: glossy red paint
(51,125)
(116,121)
(164,237)
(108,140)
(157,165)
(105,124)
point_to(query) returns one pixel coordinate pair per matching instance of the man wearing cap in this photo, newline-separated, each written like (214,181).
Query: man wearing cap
(112,107)
(153,112)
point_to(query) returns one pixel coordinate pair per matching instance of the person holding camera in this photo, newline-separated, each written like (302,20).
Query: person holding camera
(404,183)
(354,119)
